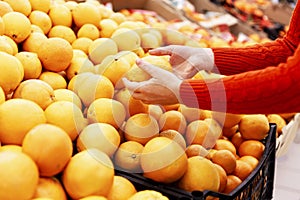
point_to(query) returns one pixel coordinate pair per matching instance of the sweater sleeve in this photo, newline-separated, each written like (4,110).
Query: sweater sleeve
(270,90)
(230,61)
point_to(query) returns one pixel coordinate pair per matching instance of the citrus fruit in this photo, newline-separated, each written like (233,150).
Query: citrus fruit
(31,64)
(252,148)
(67,95)
(225,159)
(50,187)
(41,19)
(55,80)
(122,189)
(255,126)
(174,120)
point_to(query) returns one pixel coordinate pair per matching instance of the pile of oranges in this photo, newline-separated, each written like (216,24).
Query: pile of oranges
(66,120)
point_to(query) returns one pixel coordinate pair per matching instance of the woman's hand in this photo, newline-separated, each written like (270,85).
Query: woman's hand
(187,61)
(162,88)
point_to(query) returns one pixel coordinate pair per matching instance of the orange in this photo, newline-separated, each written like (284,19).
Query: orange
(232,182)
(225,144)
(5,8)
(107,27)
(82,43)
(251,148)
(93,197)
(278,120)
(50,187)
(225,159)
(229,132)
(196,150)
(93,88)
(17,170)
(175,136)
(105,110)
(155,111)
(223,178)
(55,80)
(17,26)
(215,132)
(172,164)
(226,120)
(40,5)
(25,113)
(191,114)
(85,13)
(79,65)
(41,19)
(89,172)
(251,160)
(141,128)
(63,32)
(60,15)
(237,140)
(11,147)
(255,126)
(55,54)
(12,72)
(5,45)
(242,169)
(37,91)
(31,64)
(67,95)
(148,195)
(12,43)
(208,179)
(55,154)
(90,31)
(121,189)
(100,136)
(174,120)
(21,6)
(36,28)
(127,156)
(66,115)
(33,42)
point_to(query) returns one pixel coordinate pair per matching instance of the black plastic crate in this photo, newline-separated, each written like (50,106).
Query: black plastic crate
(257,186)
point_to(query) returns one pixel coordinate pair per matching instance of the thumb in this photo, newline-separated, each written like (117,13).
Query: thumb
(132,86)
(152,70)
(161,51)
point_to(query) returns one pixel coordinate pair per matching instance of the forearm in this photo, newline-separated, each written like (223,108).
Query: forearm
(270,90)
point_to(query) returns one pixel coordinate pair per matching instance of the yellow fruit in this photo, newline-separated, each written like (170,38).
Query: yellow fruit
(67,95)
(12,43)
(37,91)
(50,187)
(41,19)
(55,155)
(225,159)
(251,160)
(280,121)
(67,116)
(5,8)
(191,114)
(77,81)
(242,169)
(17,26)
(11,147)
(122,189)
(43,6)
(95,87)
(226,119)
(107,27)
(237,140)
(21,6)
(196,150)
(12,72)
(31,64)
(230,132)
(33,42)
(93,197)
(155,111)
(60,15)
(141,128)
(63,32)
(25,113)
(55,80)
(172,37)
(85,13)
(113,68)
(89,172)
(55,54)
(17,170)
(118,17)
(149,41)
(126,39)
(148,195)
(89,31)
(96,53)
(79,53)
(254,126)
(2,96)
(79,65)
(129,56)
(175,136)
(82,43)
(101,136)
(35,28)
(5,46)
(2,27)
(196,132)
(225,144)
(172,164)
(223,178)
(106,110)
(70,4)
(232,182)
(208,179)
(127,156)
(173,120)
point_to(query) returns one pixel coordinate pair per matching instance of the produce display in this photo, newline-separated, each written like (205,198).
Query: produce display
(67,121)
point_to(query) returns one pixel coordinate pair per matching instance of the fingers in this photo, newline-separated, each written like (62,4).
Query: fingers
(154,71)
(132,86)
(161,51)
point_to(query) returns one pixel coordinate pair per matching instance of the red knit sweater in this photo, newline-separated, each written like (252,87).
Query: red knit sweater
(264,78)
